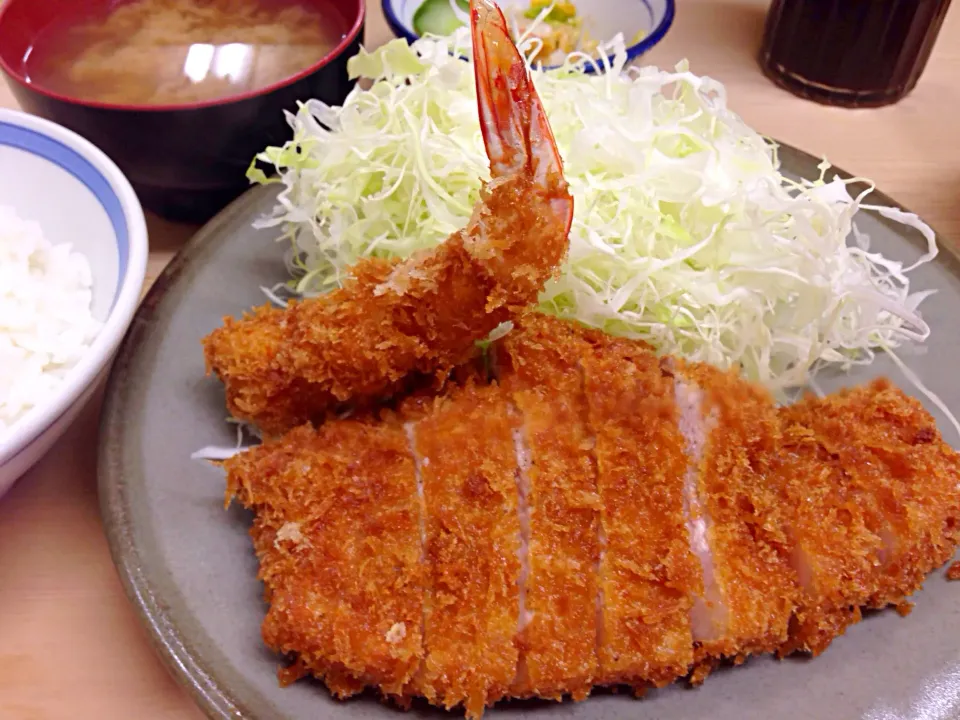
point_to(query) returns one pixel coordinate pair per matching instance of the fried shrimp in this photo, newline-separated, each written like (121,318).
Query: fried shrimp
(421,316)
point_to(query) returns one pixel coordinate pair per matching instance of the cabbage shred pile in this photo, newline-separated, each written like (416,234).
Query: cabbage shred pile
(686,234)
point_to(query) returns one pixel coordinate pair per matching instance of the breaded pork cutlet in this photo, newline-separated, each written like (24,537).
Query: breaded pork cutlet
(337,533)
(734,516)
(648,576)
(464,448)
(538,365)
(874,504)
(597,516)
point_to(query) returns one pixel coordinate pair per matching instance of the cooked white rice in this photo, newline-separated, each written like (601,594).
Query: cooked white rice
(46,323)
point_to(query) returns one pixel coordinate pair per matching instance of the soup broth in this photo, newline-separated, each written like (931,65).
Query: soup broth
(160,52)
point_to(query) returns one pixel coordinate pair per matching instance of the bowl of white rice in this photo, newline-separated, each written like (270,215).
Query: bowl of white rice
(73,254)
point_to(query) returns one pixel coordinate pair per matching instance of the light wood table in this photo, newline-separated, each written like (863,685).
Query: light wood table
(70,644)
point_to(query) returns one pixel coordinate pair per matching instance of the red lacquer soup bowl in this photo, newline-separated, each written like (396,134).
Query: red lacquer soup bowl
(185,161)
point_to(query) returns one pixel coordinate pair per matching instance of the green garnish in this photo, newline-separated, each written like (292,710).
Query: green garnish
(562,12)
(437,17)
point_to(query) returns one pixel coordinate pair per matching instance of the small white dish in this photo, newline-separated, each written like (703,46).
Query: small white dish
(79,196)
(606,18)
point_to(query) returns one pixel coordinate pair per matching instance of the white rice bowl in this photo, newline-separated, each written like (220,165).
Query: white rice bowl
(73,252)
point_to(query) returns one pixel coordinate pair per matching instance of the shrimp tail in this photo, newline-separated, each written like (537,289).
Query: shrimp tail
(515,130)
(521,226)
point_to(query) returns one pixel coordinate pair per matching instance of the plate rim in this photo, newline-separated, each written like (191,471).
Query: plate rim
(213,697)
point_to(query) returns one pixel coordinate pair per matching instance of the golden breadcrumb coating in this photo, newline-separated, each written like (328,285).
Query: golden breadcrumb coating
(337,533)
(539,366)
(750,550)
(901,507)
(835,525)
(285,367)
(648,575)
(889,442)
(464,445)
(953,572)
(398,551)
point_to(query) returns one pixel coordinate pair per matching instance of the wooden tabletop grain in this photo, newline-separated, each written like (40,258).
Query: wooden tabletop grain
(70,644)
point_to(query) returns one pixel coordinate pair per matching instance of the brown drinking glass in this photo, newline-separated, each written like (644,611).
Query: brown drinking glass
(856,53)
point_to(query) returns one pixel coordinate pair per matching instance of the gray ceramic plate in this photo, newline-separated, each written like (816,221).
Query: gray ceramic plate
(189,568)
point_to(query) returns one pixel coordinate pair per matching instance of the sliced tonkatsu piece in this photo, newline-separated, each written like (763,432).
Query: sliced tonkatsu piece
(465,452)
(839,529)
(648,574)
(735,518)
(901,514)
(538,364)
(337,535)
(886,438)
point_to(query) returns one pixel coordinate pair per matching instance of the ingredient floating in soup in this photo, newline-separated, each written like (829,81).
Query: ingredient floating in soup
(159,52)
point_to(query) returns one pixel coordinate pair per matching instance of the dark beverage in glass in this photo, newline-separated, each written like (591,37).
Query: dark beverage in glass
(857,53)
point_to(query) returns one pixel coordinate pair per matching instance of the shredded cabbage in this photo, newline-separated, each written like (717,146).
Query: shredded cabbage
(686,234)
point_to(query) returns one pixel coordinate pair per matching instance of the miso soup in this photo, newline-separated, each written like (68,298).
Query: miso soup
(163,52)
